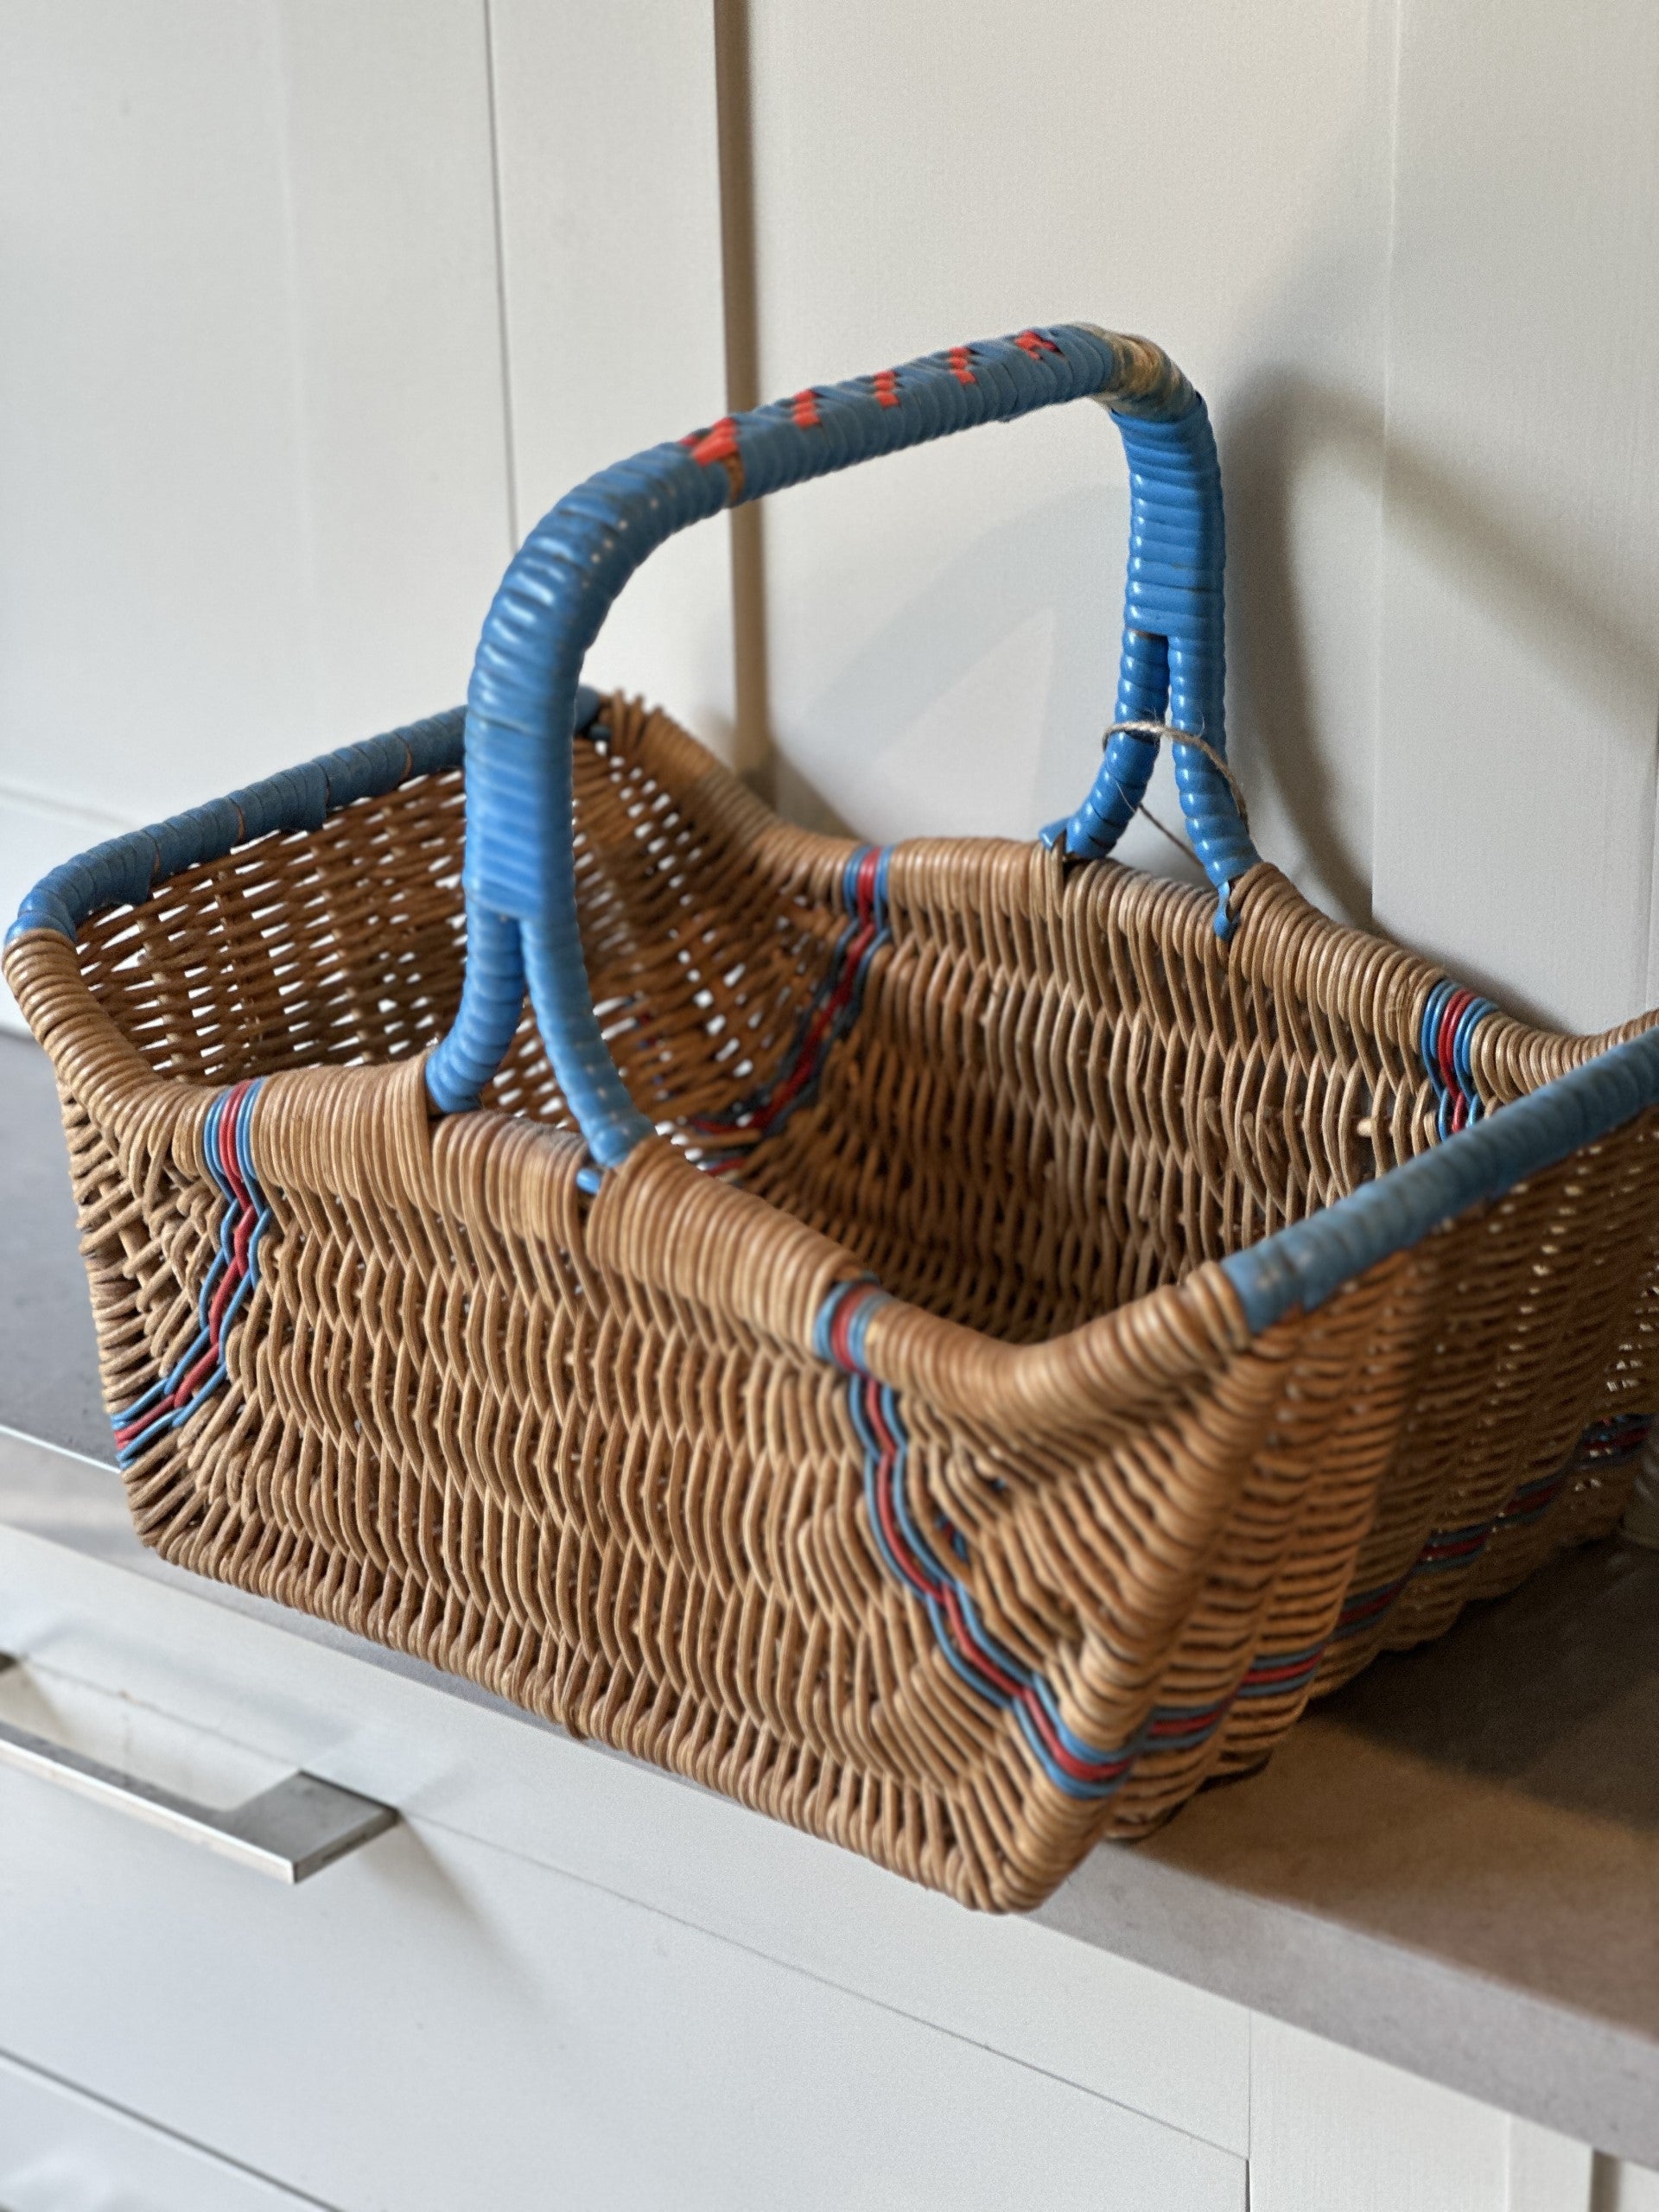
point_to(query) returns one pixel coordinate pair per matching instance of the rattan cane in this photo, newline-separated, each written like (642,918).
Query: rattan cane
(884,1441)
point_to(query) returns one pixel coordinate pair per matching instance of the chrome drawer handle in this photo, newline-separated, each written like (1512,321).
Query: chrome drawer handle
(291,1831)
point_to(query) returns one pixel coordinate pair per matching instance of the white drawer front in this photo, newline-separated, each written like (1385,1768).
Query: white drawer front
(437,2023)
(562,1979)
(62,2151)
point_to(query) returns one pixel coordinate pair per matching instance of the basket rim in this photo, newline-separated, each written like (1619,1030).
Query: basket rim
(1296,1268)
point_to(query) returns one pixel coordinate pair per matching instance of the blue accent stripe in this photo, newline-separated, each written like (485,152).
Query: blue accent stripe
(194,1377)
(905,1549)
(726,1140)
(1451,1017)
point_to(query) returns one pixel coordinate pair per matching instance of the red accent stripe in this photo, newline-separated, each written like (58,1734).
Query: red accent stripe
(838,1328)
(865,884)
(1189,1724)
(974,1651)
(1289,1670)
(1465,1547)
(804,411)
(235,1273)
(719,443)
(961,358)
(1031,342)
(822,1021)
(1081,1770)
(887,386)
(945,1592)
(914,1569)
(1368,1606)
(1455,1006)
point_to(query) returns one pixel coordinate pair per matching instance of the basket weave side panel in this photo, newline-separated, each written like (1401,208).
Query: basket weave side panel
(582,1453)
(706,923)
(316,947)
(1063,1092)
(1542,1324)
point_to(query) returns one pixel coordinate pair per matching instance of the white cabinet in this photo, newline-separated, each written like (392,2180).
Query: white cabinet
(61,2151)
(567,1978)
(560,1979)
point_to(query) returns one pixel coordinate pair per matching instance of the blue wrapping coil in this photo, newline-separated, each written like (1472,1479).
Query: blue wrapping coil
(122,871)
(523,701)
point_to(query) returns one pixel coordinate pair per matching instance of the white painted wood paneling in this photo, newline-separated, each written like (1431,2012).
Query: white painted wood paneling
(241,1701)
(396,342)
(1520,661)
(253,456)
(1547,2172)
(443,2020)
(61,2151)
(1622,2188)
(158,617)
(158,640)
(944,629)
(1332,2132)
(436,2023)
(609,162)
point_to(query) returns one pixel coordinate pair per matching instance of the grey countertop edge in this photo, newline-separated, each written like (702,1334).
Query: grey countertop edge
(1594,2080)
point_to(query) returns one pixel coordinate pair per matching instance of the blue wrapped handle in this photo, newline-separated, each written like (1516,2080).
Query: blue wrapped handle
(526,700)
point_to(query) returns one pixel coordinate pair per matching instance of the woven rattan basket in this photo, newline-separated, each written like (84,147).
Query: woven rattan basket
(960,1343)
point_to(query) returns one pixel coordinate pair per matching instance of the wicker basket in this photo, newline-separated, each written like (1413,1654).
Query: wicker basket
(964,1342)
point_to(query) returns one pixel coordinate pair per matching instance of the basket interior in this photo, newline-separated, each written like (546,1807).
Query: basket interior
(1052,1099)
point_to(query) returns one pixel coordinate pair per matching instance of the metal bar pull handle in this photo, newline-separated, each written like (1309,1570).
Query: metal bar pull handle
(291,1831)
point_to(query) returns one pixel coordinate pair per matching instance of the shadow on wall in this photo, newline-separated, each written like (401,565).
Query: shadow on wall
(1512,565)
(1270,433)
(1273,434)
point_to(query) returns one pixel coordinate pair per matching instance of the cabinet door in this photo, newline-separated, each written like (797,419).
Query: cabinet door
(446,2018)
(61,2151)
(434,2023)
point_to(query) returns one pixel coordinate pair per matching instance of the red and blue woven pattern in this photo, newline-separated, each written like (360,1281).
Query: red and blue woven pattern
(1604,1444)
(918,1559)
(915,1559)
(193,1379)
(727,1138)
(1450,1020)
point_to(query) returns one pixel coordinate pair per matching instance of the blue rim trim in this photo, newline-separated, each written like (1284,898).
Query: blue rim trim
(124,870)
(1300,1266)
(1303,1265)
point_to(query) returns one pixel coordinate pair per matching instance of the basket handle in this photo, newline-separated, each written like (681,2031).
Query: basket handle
(522,703)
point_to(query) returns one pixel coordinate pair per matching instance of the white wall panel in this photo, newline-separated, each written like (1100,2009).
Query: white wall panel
(1520,664)
(397,345)
(943,635)
(253,458)
(611,246)
(1332,2132)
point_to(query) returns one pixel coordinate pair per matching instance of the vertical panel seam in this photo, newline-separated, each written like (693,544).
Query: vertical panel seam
(509,442)
(1379,590)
